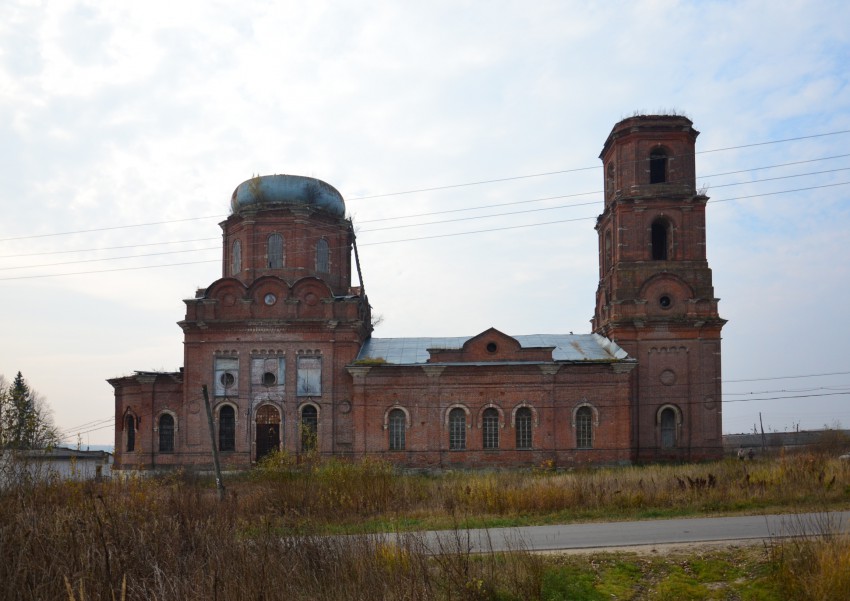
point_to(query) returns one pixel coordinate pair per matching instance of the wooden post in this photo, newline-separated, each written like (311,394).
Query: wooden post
(219,483)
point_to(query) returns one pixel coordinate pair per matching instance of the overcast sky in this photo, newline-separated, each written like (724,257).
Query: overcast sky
(114,115)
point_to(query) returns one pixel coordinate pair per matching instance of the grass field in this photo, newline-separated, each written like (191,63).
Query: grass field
(170,538)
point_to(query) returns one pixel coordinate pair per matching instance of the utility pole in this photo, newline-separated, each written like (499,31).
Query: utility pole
(219,483)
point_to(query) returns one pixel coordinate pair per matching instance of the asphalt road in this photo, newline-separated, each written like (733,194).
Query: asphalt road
(628,534)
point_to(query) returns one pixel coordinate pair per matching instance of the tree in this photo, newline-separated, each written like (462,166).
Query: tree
(25,418)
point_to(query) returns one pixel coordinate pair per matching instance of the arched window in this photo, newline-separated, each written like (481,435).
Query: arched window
(609,180)
(309,427)
(166,433)
(490,420)
(396,425)
(584,428)
(457,429)
(236,258)
(226,428)
(667,421)
(322,256)
(658,166)
(608,255)
(522,423)
(275,251)
(660,240)
(130,431)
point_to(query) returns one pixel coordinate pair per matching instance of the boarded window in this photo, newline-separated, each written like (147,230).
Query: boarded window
(396,426)
(226,376)
(584,428)
(668,429)
(457,429)
(268,372)
(309,376)
(226,428)
(275,251)
(309,427)
(236,258)
(130,432)
(657,167)
(322,256)
(523,428)
(491,428)
(166,433)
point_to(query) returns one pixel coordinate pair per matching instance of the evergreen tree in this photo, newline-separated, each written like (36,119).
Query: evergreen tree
(25,421)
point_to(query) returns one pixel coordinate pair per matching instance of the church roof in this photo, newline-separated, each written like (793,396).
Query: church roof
(566,347)
(269,191)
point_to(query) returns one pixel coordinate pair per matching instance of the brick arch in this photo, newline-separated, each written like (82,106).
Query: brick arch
(448,410)
(676,411)
(593,410)
(535,417)
(407,419)
(479,417)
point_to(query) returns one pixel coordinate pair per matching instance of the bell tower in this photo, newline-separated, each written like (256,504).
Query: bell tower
(655,296)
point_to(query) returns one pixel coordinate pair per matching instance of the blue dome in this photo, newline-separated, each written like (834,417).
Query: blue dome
(268,191)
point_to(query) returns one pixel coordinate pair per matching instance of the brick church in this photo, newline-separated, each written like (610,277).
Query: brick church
(283,343)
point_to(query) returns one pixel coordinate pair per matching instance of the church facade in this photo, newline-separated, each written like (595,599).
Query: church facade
(281,345)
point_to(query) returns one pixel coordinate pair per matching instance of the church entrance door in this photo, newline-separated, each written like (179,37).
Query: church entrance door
(268,431)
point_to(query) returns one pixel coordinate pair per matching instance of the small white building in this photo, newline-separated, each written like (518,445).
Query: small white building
(56,463)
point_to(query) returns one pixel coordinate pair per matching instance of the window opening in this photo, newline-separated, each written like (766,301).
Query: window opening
(309,428)
(522,422)
(309,376)
(657,167)
(660,241)
(130,429)
(668,429)
(166,433)
(322,256)
(397,423)
(584,428)
(269,379)
(236,258)
(275,251)
(226,428)
(607,250)
(492,347)
(457,429)
(491,428)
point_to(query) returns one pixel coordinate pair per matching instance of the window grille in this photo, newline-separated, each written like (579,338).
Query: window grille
(457,429)
(275,251)
(584,428)
(491,428)
(397,423)
(226,429)
(166,433)
(523,428)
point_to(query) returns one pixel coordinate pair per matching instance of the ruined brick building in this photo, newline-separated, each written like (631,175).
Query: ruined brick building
(283,343)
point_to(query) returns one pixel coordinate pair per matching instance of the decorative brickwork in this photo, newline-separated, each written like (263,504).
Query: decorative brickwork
(282,342)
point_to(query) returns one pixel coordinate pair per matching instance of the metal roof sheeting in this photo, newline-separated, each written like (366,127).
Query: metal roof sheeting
(567,347)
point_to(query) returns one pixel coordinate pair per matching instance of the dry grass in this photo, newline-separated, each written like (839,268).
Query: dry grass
(169,538)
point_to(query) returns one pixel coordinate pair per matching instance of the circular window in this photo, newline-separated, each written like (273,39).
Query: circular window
(491,347)
(269,379)
(269,299)
(227,380)
(665,302)
(668,377)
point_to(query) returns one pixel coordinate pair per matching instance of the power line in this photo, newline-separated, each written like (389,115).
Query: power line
(533,175)
(496,180)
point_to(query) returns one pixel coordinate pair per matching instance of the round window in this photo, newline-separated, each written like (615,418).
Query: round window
(269,379)
(491,347)
(665,302)
(227,380)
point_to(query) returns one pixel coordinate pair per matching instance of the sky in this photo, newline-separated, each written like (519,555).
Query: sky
(464,137)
